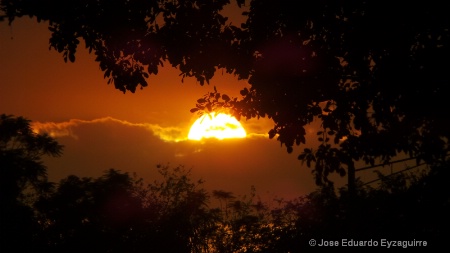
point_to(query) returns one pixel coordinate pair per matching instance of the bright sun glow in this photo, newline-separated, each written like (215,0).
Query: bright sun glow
(219,126)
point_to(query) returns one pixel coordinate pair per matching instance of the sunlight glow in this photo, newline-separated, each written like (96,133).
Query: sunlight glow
(219,126)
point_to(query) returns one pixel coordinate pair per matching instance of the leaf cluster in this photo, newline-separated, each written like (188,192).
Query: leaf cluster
(21,151)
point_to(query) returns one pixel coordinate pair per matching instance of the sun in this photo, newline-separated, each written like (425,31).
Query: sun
(216,125)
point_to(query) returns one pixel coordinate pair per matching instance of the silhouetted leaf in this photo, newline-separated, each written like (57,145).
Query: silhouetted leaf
(72,57)
(272,133)
(289,149)
(225,98)
(244,92)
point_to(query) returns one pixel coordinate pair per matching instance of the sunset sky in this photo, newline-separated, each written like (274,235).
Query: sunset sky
(103,128)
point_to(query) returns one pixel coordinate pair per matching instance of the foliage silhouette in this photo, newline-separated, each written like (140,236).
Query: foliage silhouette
(117,212)
(90,214)
(372,73)
(23,177)
(131,40)
(225,197)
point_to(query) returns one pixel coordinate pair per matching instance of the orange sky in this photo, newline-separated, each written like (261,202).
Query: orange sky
(103,128)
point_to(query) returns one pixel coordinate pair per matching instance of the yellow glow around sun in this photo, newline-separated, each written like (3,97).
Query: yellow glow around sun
(219,126)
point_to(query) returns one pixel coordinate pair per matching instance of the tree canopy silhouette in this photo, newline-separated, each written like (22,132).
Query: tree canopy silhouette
(21,151)
(23,177)
(373,73)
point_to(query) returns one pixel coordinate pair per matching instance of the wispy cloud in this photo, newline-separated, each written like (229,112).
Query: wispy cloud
(66,128)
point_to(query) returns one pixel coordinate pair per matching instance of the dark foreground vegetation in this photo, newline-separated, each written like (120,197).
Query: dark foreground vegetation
(118,212)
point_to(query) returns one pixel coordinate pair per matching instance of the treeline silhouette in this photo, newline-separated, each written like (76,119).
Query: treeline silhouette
(119,212)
